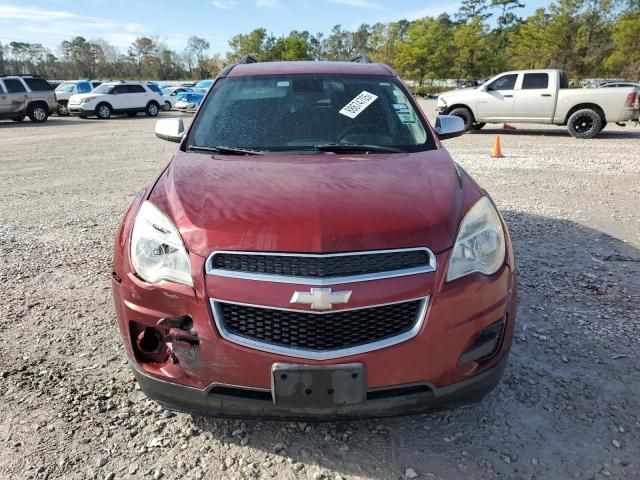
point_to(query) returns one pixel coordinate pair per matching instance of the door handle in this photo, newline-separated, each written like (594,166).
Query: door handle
(507,96)
(545,94)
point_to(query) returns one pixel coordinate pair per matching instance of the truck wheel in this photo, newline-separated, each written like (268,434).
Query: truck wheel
(38,113)
(152,109)
(466,116)
(103,111)
(584,123)
(477,126)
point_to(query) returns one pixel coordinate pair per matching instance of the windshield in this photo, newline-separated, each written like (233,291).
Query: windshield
(204,84)
(66,87)
(303,112)
(104,89)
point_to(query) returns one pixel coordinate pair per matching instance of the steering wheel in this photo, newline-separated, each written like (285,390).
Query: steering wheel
(363,127)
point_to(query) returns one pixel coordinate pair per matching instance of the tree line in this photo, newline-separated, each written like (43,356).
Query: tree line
(588,38)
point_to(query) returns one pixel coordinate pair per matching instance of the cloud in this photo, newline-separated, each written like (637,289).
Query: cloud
(224,4)
(50,27)
(268,3)
(433,11)
(359,4)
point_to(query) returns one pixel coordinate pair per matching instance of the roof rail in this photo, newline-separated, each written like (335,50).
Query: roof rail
(247,59)
(364,58)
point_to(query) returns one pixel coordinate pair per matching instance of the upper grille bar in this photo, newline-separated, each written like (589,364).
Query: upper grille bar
(321,269)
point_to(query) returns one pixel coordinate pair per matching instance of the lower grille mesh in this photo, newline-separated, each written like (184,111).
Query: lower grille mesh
(309,331)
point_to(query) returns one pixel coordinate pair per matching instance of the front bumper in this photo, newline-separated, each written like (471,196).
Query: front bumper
(379,403)
(80,110)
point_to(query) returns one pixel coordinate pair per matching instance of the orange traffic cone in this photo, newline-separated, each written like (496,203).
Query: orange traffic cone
(496,152)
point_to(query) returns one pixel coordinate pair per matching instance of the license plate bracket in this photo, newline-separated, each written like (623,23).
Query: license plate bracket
(318,386)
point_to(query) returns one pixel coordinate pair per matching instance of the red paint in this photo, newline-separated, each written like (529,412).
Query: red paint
(316,204)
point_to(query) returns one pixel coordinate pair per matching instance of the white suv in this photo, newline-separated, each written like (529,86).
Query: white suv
(117,97)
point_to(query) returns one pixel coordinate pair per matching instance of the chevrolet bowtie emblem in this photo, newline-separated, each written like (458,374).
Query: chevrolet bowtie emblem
(321,298)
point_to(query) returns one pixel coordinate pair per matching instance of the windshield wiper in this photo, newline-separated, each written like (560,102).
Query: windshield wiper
(354,147)
(225,150)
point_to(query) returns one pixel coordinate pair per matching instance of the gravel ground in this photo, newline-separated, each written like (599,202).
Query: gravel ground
(568,406)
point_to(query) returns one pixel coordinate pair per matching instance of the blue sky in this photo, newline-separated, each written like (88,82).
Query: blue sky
(120,21)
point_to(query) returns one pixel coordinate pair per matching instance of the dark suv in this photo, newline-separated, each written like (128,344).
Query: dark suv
(26,96)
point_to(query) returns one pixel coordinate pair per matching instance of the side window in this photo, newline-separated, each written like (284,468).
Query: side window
(84,87)
(14,86)
(564,80)
(505,82)
(38,84)
(120,89)
(535,81)
(136,89)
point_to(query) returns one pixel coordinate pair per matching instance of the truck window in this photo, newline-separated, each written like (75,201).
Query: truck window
(38,84)
(564,81)
(505,82)
(535,80)
(14,86)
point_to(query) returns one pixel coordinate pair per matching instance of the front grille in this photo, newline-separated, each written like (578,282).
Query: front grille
(318,332)
(321,266)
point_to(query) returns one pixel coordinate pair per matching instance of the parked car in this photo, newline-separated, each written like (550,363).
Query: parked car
(312,250)
(110,98)
(170,94)
(619,84)
(67,89)
(540,96)
(191,100)
(26,96)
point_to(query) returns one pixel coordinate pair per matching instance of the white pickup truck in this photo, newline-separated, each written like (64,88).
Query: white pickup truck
(540,96)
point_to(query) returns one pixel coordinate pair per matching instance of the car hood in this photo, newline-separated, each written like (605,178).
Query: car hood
(312,203)
(79,96)
(457,91)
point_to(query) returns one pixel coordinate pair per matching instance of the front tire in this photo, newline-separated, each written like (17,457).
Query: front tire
(103,111)
(465,114)
(63,110)
(38,113)
(152,109)
(167,106)
(585,123)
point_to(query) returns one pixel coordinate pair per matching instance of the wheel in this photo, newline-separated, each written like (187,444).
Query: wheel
(584,123)
(132,114)
(38,113)
(477,126)
(152,109)
(465,114)
(167,106)
(63,109)
(103,111)
(18,119)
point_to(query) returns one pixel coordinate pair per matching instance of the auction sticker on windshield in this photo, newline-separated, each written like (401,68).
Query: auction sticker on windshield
(356,106)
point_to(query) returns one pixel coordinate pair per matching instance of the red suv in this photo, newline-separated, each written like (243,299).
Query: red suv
(312,251)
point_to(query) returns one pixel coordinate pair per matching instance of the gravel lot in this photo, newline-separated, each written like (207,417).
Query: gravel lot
(569,405)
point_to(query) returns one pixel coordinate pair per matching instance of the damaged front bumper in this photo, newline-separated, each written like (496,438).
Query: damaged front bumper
(230,400)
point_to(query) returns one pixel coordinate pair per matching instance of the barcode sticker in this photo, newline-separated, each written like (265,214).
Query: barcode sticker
(356,106)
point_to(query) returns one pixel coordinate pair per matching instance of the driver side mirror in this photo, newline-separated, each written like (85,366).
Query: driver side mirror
(449,126)
(170,129)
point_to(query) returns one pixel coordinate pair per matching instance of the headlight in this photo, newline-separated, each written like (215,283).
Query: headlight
(480,245)
(157,251)
(87,99)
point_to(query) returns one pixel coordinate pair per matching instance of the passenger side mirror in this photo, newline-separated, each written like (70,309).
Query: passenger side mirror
(170,129)
(449,126)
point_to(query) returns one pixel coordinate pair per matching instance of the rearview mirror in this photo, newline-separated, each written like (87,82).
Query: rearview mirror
(171,129)
(449,126)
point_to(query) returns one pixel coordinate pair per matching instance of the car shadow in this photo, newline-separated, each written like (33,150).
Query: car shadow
(629,132)
(572,372)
